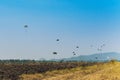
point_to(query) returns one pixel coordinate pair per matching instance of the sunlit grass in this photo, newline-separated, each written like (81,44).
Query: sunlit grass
(100,71)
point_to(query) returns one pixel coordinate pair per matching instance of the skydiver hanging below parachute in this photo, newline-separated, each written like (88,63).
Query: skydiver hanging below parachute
(58,41)
(26,28)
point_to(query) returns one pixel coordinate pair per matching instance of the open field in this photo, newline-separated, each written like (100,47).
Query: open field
(101,71)
(12,69)
(33,70)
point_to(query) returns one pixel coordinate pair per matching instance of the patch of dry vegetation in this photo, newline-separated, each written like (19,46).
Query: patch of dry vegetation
(100,71)
(12,69)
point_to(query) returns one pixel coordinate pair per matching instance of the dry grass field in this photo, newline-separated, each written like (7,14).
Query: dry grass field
(12,69)
(101,71)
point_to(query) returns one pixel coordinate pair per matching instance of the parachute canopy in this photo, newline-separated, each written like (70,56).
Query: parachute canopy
(55,53)
(25,26)
(77,46)
(73,52)
(57,39)
(96,57)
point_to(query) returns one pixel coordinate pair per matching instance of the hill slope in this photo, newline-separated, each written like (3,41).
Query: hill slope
(101,71)
(95,57)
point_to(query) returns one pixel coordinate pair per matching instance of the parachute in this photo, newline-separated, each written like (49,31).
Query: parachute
(57,39)
(54,53)
(25,27)
(77,46)
(96,57)
(74,53)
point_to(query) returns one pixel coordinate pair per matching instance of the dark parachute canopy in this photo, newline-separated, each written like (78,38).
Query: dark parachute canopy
(77,46)
(55,53)
(57,39)
(25,26)
(96,57)
(73,52)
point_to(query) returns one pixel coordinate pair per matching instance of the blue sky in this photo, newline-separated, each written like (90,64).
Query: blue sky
(74,22)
